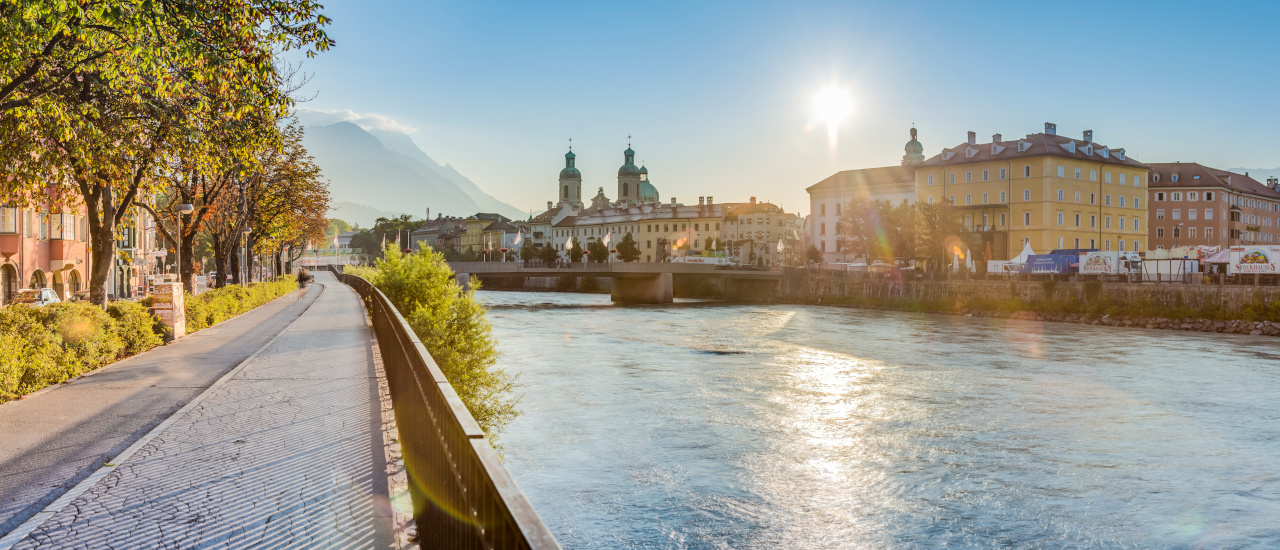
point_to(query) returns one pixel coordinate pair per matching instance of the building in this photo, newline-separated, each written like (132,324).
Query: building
(428,234)
(43,246)
(1192,204)
(1050,191)
(479,236)
(827,198)
(660,230)
(754,229)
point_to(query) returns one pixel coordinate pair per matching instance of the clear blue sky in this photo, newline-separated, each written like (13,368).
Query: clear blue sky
(718,95)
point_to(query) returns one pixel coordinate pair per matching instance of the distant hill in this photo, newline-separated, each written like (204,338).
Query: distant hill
(386,174)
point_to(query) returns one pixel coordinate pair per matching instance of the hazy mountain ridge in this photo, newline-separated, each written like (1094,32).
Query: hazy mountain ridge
(387,174)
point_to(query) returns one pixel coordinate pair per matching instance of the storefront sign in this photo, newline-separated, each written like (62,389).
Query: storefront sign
(1254,259)
(1099,263)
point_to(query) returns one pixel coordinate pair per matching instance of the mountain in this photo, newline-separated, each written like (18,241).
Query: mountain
(371,176)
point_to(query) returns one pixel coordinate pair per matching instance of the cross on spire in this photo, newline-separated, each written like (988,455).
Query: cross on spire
(570,144)
(628,140)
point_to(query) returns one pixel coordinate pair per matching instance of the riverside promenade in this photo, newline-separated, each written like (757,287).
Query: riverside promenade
(282,449)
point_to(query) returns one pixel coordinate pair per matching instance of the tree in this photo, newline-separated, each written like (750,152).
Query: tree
(549,254)
(858,226)
(575,253)
(597,251)
(528,251)
(939,230)
(710,244)
(813,255)
(628,249)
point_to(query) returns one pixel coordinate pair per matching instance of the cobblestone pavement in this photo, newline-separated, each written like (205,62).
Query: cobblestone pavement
(286,454)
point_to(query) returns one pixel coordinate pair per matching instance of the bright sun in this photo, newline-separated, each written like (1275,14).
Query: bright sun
(832,105)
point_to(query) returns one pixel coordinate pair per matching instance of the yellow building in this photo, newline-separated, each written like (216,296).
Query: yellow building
(1050,191)
(659,229)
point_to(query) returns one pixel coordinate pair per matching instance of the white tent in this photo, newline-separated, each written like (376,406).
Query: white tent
(1022,257)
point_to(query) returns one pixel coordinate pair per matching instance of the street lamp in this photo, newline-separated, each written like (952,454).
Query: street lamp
(247,230)
(177,247)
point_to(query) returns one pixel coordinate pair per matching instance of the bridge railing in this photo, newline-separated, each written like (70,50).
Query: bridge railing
(463,496)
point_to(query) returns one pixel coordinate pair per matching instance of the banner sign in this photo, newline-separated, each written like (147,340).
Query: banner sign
(1099,263)
(1254,259)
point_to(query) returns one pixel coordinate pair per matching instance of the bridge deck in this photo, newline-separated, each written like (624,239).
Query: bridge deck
(637,270)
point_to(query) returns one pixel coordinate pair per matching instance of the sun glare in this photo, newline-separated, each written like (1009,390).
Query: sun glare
(832,105)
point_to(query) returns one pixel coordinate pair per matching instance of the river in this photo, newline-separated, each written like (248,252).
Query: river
(706,425)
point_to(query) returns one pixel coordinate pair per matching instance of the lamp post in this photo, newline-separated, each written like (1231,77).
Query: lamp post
(247,230)
(183,209)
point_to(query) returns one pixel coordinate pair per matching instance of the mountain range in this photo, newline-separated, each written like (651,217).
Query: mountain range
(381,173)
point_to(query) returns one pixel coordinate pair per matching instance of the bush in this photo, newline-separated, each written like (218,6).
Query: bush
(89,337)
(452,326)
(137,327)
(29,352)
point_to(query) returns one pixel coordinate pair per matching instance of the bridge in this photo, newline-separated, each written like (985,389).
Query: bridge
(633,282)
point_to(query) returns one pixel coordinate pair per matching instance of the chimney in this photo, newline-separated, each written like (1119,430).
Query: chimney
(1088,136)
(973,138)
(708,200)
(673,201)
(548,205)
(753,200)
(438,215)
(1051,128)
(1273,182)
(996,138)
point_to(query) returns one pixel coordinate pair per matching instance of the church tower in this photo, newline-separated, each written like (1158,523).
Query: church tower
(570,181)
(629,177)
(914,151)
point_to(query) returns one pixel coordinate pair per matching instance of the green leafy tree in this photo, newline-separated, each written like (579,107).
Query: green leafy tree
(813,255)
(857,227)
(548,253)
(451,324)
(628,249)
(575,253)
(597,251)
(710,244)
(528,251)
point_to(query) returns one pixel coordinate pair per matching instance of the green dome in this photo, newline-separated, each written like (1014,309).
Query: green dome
(570,173)
(644,170)
(914,147)
(648,192)
(570,155)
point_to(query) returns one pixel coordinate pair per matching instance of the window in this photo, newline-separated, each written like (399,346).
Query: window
(1059,243)
(1159,197)
(1106,222)
(823,209)
(1026,171)
(8,219)
(666,228)
(1208,232)
(1077,173)
(1136,246)
(930,179)
(1177,232)
(1173,178)
(1062,171)
(1026,218)
(1175,196)
(1159,232)
(1192,195)
(953,199)
(42,222)
(1106,200)
(1191,232)
(1002,197)
(1093,222)
(1077,197)
(1002,220)
(1106,245)
(1026,194)
(1060,218)
(1121,241)
(1121,201)
(824,245)
(968,177)
(1061,195)
(984,198)
(695,227)
(1077,220)
(1106,177)
(1177,213)
(1003,174)
(1191,213)
(1077,244)
(1093,198)
(930,199)
(1136,202)
(1208,196)
(953,179)
(1092,244)
(968,199)
(1093,175)
(822,228)
(1121,223)
(1137,182)
(986,175)
(986,222)
(1122,183)
(1136,227)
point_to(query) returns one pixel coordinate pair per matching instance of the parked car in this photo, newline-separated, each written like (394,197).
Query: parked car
(81,296)
(40,297)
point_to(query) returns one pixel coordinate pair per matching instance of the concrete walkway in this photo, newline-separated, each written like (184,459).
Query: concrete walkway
(285,453)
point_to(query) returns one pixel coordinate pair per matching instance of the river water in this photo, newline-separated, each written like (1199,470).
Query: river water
(705,425)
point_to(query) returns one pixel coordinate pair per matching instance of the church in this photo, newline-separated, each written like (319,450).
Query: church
(634,187)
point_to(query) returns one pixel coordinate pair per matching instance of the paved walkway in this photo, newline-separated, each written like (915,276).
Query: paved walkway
(287,453)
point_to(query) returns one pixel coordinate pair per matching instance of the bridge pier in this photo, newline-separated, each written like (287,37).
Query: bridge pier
(642,290)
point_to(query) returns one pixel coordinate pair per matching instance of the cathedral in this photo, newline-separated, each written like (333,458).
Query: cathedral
(634,187)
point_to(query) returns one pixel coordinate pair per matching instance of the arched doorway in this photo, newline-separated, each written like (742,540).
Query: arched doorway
(59,284)
(73,282)
(37,279)
(8,283)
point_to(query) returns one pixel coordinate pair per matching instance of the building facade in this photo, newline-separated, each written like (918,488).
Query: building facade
(1193,204)
(828,198)
(763,233)
(1046,190)
(43,246)
(660,230)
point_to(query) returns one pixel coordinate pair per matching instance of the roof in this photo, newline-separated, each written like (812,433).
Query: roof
(644,213)
(752,208)
(1194,174)
(500,226)
(867,177)
(1036,145)
(489,216)
(438,224)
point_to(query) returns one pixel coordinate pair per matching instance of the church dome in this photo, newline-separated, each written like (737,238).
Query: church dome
(648,192)
(570,155)
(629,170)
(914,148)
(570,173)
(644,170)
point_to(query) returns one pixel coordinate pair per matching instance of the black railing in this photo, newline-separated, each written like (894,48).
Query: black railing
(463,497)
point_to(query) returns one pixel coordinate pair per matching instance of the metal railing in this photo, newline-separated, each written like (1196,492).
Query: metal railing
(463,496)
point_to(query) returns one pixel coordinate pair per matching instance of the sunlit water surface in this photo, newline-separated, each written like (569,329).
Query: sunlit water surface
(702,425)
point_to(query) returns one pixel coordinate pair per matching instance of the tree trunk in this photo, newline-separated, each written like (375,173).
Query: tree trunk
(101,209)
(219,262)
(278,262)
(248,258)
(234,268)
(187,240)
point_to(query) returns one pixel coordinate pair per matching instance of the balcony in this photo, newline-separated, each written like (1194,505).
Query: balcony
(62,250)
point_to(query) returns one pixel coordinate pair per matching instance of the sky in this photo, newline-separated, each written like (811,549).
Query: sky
(718,97)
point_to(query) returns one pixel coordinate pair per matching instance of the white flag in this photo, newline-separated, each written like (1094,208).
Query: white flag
(568,245)
(608,237)
(779,246)
(715,244)
(519,237)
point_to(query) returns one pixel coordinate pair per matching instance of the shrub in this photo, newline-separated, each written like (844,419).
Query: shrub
(89,337)
(136,326)
(452,326)
(29,352)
